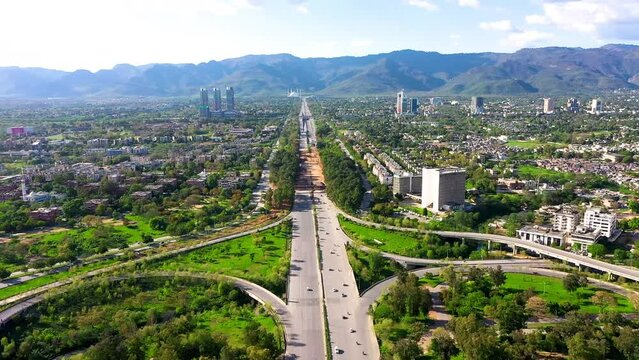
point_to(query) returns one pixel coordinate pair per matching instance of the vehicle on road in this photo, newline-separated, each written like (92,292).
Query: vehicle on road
(335,290)
(351,330)
(308,288)
(343,295)
(338,350)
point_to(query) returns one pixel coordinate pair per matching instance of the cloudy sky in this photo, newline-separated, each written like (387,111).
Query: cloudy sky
(97,34)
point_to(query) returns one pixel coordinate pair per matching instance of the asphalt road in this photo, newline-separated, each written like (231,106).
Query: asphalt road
(351,330)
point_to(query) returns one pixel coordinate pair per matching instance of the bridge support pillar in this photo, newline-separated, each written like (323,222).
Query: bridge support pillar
(490,245)
(611,277)
(581,267)
(514,249)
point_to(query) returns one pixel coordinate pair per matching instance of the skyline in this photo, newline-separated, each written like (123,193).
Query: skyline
(71,34)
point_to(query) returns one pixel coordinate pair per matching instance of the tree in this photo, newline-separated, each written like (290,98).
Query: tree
(497,276)
(73,208)
(572,282)
(584,346)
(510,315)
(597,250)
(4,272)
(158,223)
(442,345)
(406,349)
(537,306)
(634,206)
(475,340)
(146,238)
(627,343)
(603,299)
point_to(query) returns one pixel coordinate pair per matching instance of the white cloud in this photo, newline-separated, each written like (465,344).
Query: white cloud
(520,39)
(423,4)
(501,25)
(615,19)
(454,36)
(302,8)
(469,3)
(536,20)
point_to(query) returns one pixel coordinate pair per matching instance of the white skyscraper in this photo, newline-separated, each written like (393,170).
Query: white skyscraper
(596,107)
(549,106)
(443,188)
(399,107)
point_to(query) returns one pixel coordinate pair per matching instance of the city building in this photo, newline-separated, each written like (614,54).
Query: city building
(217,100)
(18,131)
(230,99)
(443,189)
(572,105)
(549,106)
(46,214)
(407,183)
(436,101)
(399,106)
(476,105)
(595,219)
(541,235)
(566,220)
(596,106)
(205,111)
(414,105)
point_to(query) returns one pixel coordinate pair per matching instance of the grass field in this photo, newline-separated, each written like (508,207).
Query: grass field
(48,279)
(262,258)
(529,144)
(386,240)
(551,289)
(535,172)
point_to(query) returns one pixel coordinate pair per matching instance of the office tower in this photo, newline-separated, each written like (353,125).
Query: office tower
(443,188)
(414,105)
(205,111)
(217,99)
(596,106)
(572,105)
(597,220)
(230,99)
(399,107)
(476,105)
(549,106)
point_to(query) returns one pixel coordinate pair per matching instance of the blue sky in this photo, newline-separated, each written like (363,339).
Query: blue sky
(97,34)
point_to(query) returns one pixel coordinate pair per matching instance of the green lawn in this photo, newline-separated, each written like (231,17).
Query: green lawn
(48,279)
(262,258)
(529,144)
(551,289)
(535,172)
(386,240)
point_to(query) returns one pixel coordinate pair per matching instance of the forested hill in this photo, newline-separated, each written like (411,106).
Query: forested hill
(542,71)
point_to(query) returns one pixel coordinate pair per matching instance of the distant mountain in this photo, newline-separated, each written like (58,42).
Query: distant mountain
(546,71)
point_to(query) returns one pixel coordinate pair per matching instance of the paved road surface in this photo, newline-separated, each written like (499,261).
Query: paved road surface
(343,307)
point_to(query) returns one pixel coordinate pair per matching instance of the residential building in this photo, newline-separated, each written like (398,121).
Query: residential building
(566,220)
(407,183)
(217,100)
(572,105)
(549,106)
(46,214)
(399,106)
(596,106)
(594,218)
(476,105)
(205,111)
(230,99)
(443,188)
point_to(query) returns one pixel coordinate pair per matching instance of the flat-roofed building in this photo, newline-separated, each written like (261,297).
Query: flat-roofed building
(443,188)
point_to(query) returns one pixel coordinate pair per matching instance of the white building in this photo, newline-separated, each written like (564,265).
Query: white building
(399,107)
(596,107)
(443,188)
(597,220)
(549,106)
(566,220)
(541,235)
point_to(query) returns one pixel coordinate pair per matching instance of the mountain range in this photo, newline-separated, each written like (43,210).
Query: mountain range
(543,71)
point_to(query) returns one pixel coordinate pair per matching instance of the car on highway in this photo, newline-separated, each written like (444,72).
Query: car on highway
(343,295)
(351,330)
(338,350)
(335,290)
(308,288)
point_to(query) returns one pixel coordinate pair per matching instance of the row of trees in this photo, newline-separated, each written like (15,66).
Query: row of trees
(284,168)
(343,183)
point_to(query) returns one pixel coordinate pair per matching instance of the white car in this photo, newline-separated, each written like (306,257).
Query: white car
(338,350)
(351,330)
(335,290)
(308,289)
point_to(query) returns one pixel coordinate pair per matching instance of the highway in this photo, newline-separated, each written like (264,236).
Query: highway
(305,296)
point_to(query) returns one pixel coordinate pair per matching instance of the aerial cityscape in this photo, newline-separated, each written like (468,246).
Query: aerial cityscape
(255,180)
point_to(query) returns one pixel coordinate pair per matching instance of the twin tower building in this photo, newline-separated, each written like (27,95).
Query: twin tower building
(205,108)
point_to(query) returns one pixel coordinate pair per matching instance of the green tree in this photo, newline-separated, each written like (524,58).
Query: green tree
(597,250)
(572,282)
(585,346)
(73,208)
(442,345)
(406,349)
(497,276)
(510,315)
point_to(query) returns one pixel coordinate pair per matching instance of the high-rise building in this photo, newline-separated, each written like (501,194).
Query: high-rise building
(230,99)
(217,99)
(436,101)
(549,106)
(407,183)
(476,105)
(572,105)
(595,219)
(205,111)
(414,105)
(566,220)
(596,106)
(399,106)
(443,189)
